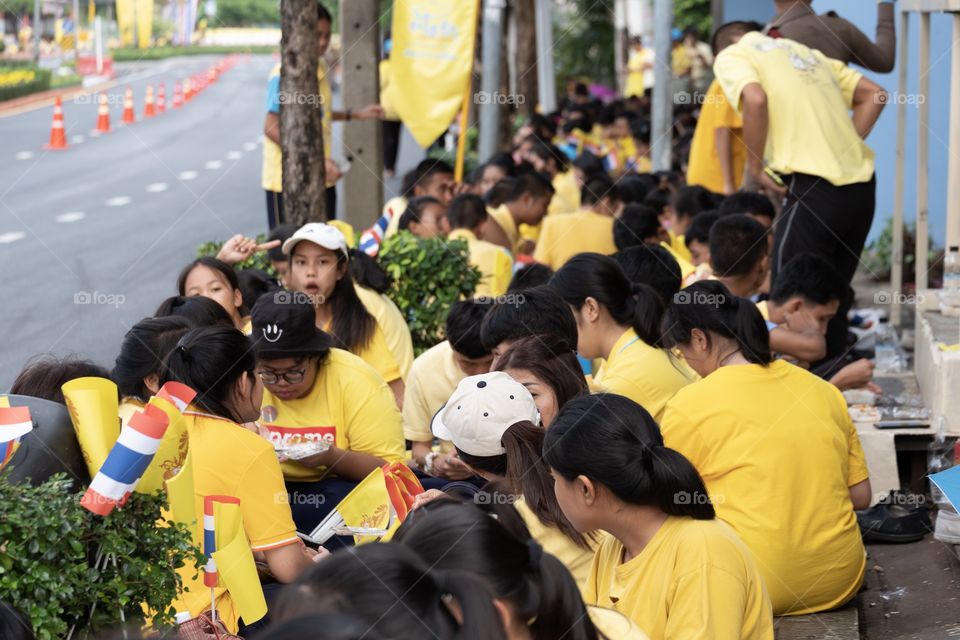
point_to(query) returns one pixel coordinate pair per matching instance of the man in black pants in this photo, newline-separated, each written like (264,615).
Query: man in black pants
(803,146)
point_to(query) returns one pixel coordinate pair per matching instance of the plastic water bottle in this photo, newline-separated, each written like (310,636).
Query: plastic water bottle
(886,347)
(950,294)
(940,456)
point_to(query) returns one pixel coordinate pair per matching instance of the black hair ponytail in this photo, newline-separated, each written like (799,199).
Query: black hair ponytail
(709,306)
(614,441)
(352,326)
(142,353)
(493,543)
(526,474)
(367,272)
(591,275)
(368,582)
(210,360)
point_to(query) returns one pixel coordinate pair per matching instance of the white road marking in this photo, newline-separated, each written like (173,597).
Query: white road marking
(71,216)
(187,175)
(249,146)
(25,155)
(157,187)
(234,155)
(212,164)
(11,236)
(118,201)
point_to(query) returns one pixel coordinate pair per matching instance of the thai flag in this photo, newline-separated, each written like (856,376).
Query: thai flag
(177,394)
(15,422)
(371,238)
(210,575)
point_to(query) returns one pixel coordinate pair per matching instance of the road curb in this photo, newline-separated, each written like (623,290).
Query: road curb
(46,98)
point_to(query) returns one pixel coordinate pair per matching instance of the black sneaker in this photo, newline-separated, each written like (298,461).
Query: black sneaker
(898,517)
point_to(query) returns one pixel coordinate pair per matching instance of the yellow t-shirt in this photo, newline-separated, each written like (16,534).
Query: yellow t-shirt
(432,380)
(394,327)
(764,309)
(564,235)
(566,195)
(272,169)
(694,579)
(686,267)
(494,262)
(557,544)
(638,78)
(645,374)
(377,354)
(809,97)
(170,455)
(703,167)
(502,217)
(228,459)
(778,452)
(387,87)
(349,406)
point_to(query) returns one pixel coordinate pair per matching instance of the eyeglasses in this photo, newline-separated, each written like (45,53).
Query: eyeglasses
(290,377)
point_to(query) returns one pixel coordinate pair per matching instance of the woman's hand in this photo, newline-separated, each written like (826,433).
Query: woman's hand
(239,248)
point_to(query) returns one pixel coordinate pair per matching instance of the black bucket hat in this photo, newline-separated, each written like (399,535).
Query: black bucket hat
(284,325)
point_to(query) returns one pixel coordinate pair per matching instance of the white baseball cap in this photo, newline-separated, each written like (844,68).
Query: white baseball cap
(319,233)
(480,410)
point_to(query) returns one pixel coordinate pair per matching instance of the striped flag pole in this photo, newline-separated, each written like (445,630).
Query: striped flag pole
(210,574)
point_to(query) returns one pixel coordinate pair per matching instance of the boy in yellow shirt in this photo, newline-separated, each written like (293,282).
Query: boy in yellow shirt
(468,218)
(527,204)
(717,151)
(589,229)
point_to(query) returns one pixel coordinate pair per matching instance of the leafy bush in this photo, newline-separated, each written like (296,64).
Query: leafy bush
(256,261)
(124,54)
(429,275)
(19,80)
(51,566)
(877,256)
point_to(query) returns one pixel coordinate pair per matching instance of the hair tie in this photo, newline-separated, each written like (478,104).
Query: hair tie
(535,552)
(182,348)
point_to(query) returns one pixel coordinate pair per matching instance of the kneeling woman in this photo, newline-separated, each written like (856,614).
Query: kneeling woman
(228,459)
(668,563)
(316,393)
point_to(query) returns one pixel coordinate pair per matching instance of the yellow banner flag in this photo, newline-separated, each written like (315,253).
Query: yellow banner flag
(235,567)
(93,407)
(135,16)
(182,497)
(367,506)
(172,452)
(431,62)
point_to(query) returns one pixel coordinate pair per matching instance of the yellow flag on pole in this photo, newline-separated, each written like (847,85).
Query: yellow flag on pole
(431,62)
(93,407)
(235,565)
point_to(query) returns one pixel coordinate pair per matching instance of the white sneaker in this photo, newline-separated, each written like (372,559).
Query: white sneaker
(947,527)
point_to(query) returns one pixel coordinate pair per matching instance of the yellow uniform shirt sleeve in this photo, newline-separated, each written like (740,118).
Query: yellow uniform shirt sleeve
(416,412)
(263,501)
(847,79)
(734,70)
(543,253)
(378,356)
(372,419)
(709,603)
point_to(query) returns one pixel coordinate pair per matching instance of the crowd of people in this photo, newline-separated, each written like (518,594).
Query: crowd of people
(645,438)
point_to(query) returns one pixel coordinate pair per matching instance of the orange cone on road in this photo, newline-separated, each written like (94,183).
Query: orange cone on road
(103,114)
(58,137)
(149,106)
(128,116)
(187,90)
(211,75)
(177,95)
(162,97)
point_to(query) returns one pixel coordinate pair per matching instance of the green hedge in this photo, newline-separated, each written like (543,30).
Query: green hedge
(159,53)
(40,83)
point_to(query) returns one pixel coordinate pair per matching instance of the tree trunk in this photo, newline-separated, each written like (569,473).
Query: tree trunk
(301,115)
(525,13)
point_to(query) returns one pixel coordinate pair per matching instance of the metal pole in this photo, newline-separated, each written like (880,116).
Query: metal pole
(619,47)
(36,32)
(923,144)
(953,144)
(660,136)
(98,42)
(546,80)
(489,122)
(896,259)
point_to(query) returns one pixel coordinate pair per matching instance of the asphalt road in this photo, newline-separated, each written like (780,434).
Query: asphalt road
(92,238)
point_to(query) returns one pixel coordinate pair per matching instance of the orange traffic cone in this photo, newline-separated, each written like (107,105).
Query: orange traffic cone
(149,107)
(177,96)
(162,97)
(211,76)
(58,137)
(128,116)
(187,90)
(103,115)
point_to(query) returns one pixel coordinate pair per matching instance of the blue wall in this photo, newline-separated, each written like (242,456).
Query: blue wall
(884,136)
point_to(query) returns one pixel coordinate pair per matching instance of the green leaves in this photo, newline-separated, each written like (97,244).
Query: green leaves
(429,275)
(49,545)
(258,260)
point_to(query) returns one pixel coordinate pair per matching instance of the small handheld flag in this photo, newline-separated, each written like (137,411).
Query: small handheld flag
(210,537)
(15,423)
(371,238)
